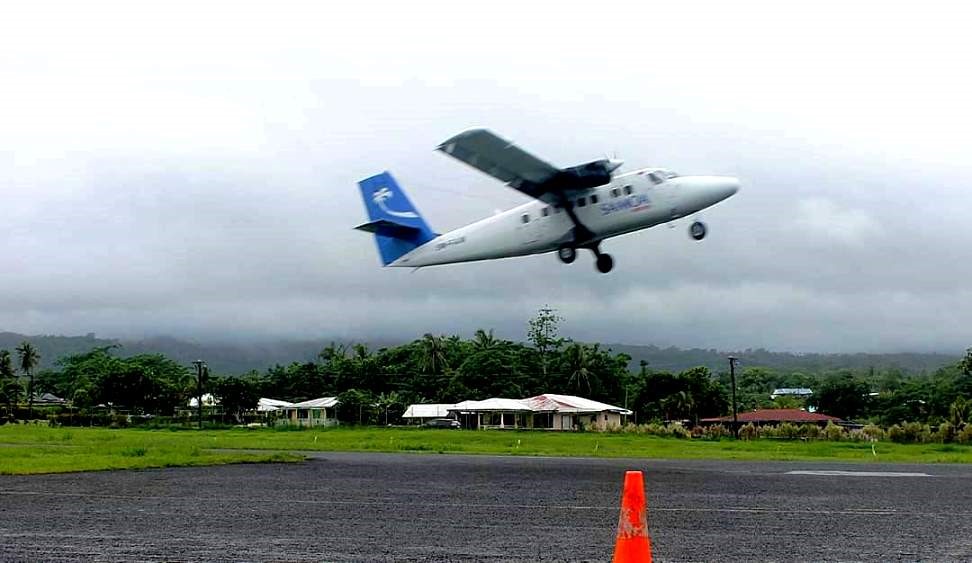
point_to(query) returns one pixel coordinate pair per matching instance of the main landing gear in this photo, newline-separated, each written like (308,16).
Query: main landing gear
(604,262)
(582,237)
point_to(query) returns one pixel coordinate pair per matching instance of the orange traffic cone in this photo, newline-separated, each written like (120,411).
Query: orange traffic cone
(633,544)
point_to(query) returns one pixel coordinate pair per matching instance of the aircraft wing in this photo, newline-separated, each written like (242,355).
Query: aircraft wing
(488,152)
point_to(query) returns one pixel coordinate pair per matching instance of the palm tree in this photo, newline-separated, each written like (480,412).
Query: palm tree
(333,352)
(485,341)
(578,366)
(361,352)
(29,357)
(386,400)
(959,412)
(8,379)
(433,354)
(677,405)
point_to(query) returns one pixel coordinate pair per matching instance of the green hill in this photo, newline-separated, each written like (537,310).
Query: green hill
(228,359)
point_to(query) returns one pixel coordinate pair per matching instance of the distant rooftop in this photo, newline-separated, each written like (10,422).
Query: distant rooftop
(777,415)
(791,392)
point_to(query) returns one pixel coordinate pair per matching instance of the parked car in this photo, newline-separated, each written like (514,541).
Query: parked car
(443,423)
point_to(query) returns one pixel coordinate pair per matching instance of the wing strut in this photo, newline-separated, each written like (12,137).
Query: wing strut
(582,235)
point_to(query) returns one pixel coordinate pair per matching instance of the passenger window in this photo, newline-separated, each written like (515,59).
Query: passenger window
(525,218)
(546,211)
(627,190)
(581,202)
(594,199)
(615,192)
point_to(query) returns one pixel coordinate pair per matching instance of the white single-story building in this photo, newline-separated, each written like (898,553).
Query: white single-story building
(424,413)
(566,412)
(493,413)
(548,411)
(310,413)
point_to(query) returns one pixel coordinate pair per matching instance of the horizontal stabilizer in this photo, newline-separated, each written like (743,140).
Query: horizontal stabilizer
(386,227)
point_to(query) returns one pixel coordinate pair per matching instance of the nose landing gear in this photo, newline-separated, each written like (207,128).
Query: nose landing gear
(698,230)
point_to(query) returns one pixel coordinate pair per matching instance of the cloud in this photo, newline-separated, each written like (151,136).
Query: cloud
(822,220)
(193,173)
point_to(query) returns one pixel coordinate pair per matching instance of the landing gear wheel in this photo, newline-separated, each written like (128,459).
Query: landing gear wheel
(698,230)
(567,254)
(604,263)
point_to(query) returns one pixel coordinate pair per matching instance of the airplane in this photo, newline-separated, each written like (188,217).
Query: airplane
(573,208)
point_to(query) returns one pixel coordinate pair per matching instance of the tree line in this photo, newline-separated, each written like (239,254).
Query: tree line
(375,386)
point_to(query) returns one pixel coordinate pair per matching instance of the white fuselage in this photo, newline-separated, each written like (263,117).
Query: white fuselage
(632,201)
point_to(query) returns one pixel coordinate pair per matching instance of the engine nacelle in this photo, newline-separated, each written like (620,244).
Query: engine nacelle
(583,176)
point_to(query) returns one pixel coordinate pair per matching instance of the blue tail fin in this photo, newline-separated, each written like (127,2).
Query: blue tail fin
(397,225)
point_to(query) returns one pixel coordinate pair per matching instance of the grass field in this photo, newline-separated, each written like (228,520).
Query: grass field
(38,449)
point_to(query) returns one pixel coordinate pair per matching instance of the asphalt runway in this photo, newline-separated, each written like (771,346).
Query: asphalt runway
(385,507)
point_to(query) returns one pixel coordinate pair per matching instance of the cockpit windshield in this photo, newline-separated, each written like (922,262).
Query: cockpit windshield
(659,175)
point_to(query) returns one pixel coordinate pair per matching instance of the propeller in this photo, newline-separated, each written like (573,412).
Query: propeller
(612,163)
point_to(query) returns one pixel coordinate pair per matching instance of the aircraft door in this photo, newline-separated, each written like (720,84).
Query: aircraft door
(529,228)
(533,226)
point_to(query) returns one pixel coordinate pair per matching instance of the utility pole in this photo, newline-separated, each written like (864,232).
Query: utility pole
(732,376)
(200,365)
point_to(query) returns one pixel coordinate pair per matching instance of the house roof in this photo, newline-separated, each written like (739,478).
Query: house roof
(776,415)
(792,391)
(269,405)
(49,398)
(569,404)
(427,411)
(321,403)
(549,402)
(492,405)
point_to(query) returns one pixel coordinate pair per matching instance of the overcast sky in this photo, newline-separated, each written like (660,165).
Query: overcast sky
(190,169)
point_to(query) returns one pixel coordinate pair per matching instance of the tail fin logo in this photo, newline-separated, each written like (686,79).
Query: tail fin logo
(383,194)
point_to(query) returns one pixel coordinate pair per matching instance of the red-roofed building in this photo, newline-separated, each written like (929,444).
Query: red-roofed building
(776,416)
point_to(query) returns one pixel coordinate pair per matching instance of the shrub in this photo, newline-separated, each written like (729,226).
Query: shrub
(749,432)
(873,432)
(833,432)
(810,431)
(677,430)
(715,432)
(946,433)
(655,429)
(788,431)
(909,433)
(965,435)
(916,432)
